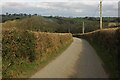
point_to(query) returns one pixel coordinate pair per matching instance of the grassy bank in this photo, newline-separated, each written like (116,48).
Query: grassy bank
(107,44)
(54,24)
(25,52)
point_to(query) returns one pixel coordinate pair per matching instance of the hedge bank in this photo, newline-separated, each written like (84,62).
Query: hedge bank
(26,50)
(107,44)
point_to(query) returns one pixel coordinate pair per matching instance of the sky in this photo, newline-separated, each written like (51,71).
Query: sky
(67,8)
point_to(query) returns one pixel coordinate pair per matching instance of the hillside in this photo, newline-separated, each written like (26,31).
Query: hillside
(57,24)
(31,42)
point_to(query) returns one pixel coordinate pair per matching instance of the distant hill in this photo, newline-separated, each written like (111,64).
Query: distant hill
(54,24)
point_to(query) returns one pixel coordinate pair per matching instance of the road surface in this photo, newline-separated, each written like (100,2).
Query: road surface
(78,61)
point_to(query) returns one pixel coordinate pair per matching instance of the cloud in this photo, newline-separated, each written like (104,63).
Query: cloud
(34,0)
(55,0)
(14,0)
(82,8)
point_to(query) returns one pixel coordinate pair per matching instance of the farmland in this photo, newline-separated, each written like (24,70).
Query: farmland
(31,43)
(60,24)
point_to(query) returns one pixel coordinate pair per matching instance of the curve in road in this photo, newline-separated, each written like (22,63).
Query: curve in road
(78,61)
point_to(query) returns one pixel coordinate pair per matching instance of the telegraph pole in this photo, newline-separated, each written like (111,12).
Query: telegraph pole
(83,30)
(69,30)
(100,14)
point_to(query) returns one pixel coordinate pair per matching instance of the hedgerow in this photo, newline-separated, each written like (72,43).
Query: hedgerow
(24,47)
(107,44)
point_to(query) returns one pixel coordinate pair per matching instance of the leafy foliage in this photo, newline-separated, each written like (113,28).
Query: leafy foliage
(107,44)
(18,47)
(25,47)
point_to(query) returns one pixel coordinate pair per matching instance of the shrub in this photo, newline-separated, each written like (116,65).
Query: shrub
(18,47)
(107,44)
(26,47)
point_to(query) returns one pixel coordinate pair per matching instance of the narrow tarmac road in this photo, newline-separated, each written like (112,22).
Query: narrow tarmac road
(79,61)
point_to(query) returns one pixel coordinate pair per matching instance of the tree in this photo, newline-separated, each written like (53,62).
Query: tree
(6,13)
(35,14)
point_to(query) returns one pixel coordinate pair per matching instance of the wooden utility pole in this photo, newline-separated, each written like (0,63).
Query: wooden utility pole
(100,14)
(69,30)
(83,30)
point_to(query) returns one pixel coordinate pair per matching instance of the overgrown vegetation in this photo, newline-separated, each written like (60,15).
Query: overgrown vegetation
(26,46)
(56,24)
(11,17)
(23,49)
(107,44)
(18,47)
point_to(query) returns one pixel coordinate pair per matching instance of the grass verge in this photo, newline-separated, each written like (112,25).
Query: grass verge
(26,70)
(106,42)
(108,63)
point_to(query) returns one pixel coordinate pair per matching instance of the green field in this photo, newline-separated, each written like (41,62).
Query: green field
(24,37)
(57,24)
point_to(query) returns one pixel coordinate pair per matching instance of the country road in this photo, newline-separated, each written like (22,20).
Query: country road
(78,61)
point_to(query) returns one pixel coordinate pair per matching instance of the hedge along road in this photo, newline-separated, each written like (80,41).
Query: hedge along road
(78,61)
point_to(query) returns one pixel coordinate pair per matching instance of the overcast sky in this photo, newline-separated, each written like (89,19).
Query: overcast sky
(75,8)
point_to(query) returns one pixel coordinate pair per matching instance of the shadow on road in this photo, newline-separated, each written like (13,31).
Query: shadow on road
(88,65)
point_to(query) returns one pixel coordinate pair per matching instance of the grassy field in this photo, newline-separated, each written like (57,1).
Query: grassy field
(107,44)
(35,23)
(55,24)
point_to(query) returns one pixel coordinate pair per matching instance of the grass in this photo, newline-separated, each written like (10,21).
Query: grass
(27,69)
(107,44)
(45,24)
(24,51)
(24,45)
(108,62)
(18,48)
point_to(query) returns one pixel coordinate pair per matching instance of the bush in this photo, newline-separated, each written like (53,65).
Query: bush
(23,47)
(107,44)
(49,43)
(18,47)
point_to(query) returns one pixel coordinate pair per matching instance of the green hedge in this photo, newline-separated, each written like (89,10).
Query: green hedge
(24,50)
(18,47)
(107,44)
